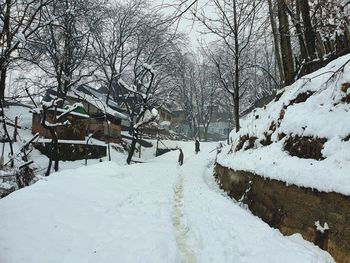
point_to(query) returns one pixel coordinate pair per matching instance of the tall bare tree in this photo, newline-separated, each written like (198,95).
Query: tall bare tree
(149,73)
(19,20)
(275,39)
(234,25)
(113,38)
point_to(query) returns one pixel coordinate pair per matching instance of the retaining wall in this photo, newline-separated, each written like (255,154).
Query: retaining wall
(293,209)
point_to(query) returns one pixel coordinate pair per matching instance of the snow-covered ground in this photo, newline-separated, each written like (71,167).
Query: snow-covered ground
(151,212)
(325,114)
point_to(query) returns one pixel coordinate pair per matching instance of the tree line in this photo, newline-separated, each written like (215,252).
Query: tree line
(136,52)
(276,41)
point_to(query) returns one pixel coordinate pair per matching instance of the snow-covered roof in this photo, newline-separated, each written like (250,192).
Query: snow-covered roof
(97,102)
(93,97)
(78,114)
(97,94)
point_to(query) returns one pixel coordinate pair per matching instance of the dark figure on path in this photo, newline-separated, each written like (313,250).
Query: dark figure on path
(197,146)
(181,157)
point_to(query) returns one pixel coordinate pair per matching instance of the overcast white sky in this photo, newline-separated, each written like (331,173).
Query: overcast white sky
(186,24)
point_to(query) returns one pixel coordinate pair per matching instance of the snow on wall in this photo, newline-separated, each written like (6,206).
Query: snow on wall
(324,114)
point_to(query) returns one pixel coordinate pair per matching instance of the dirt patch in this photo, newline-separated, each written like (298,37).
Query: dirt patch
(267,135)
(243,139)
(305,147)
(278,96)
(345,87)
(281,136)
(347,138)
(267,139)
(251,142)
(272,126)
(346,99)
(302,97)
(281,116)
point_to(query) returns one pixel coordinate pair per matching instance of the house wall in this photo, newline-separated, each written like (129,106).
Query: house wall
(75,131)
(114,130)
(165,116)
(101,126)
(179,117)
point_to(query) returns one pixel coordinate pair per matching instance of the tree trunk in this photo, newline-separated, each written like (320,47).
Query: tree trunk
(309,32)
(50,163)
(321,51)
(5,34)
(276,41)
(237,71)
(206,133)
(286,47)
(132,148)
(236,112)
(53,144)
(3,85)
(7,135)
(303,46)
(55,152)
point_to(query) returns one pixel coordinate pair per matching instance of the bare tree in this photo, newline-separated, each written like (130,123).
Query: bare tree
(52,127)
(186,86)
(150,72)
(275,39)
(141,106)
(311,34)
(207,97)
(234,25)
(113,40)
(19,20)
(62,49)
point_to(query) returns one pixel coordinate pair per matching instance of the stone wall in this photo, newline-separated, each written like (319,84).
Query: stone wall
(293,209)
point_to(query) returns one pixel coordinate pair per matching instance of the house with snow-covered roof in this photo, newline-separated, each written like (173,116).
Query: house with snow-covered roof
(102,118)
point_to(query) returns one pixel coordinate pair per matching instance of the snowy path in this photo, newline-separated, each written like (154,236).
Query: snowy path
(180,224)
(224,232)
(153,212)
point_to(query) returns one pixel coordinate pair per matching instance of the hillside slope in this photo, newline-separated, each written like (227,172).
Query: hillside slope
(303,136)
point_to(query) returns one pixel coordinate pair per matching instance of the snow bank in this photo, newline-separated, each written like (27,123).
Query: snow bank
(101,213)
(110,213)
(315,106)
